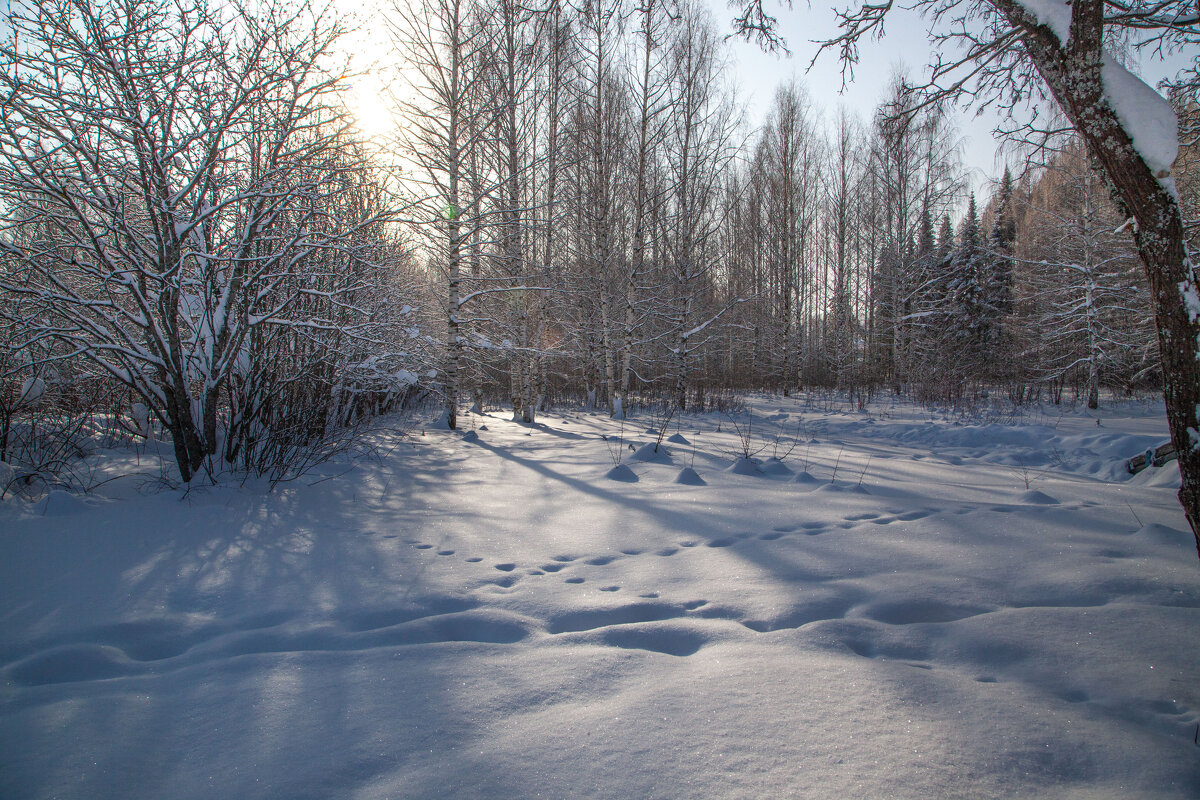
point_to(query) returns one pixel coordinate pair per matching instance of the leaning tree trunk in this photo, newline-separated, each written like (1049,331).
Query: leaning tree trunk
(1072,72)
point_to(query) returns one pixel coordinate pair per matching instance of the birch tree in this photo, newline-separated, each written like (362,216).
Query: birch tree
(1009,50)
(445,126)
(699,147)
(175,157)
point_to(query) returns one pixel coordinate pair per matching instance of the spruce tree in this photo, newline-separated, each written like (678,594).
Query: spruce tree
(971,322)
(998,287)
(998,282)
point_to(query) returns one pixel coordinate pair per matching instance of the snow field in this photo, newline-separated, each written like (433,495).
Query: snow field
(966,611)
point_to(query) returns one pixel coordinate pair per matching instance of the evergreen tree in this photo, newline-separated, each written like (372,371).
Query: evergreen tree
(997,283)
(945,239)
(998,286)
(971,322)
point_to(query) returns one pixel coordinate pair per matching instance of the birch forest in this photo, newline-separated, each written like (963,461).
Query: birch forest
(197,238)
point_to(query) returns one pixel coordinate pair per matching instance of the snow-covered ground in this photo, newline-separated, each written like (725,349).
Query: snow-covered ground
(968,610)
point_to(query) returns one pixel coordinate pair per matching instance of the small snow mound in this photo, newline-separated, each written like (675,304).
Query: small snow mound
(678,438)
(1034,497)
(744,466)
(483,427)
(1166,476)
(59,504)
(689,477)
(441,423)
(652,452)
(853,488)
(621,473)
(652,431)
(804,477)
(776,468)
(1163,534)
(470,436)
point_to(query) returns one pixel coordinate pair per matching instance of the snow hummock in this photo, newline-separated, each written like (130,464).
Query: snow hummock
(1036,498)
(745,466)
(502,621)
(777,468)
(621,473)
(652,452)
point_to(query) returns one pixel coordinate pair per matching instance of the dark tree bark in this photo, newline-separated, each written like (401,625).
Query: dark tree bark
(1072,74)
(994,66)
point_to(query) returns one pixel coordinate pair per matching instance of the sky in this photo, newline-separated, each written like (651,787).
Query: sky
(905,46)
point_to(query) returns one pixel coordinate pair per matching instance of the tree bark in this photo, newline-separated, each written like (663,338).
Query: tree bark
(1072,72)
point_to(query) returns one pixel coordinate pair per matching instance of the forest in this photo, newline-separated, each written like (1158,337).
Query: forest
(577,434)
(198,237)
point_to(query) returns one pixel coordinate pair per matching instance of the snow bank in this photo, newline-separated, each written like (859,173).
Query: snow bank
(1145,115)
(502,621)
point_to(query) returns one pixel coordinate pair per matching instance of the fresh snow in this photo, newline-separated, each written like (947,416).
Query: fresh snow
(1054,14)
(1146,116)
(965,609)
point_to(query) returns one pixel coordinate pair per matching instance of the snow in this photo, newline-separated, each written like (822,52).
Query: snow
(32,390)
(140,415)
(652,451)
(1191,301)
(1054,14)
(968,608)
(1145,114)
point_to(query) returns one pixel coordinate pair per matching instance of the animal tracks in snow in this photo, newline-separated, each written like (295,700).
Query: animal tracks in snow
(836,611)
(154,646)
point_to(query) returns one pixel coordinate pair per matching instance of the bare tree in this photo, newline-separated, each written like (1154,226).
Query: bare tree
(177,161)
(1088,306)
(700,146)
(1014,49)
(445,126)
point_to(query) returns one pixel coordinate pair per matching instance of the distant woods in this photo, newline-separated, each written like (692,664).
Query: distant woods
(604,227)
(197,241)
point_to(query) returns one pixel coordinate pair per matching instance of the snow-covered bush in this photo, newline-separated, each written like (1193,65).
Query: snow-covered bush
(186,212)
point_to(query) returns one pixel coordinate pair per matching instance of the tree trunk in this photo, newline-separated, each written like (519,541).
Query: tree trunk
(1073,75)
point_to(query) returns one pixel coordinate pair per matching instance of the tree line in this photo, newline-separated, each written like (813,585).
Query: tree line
(196,236)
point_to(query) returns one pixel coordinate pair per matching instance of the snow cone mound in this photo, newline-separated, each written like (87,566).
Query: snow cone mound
(470,436)
(776,468)
(621,473)
(652,452)
(678,438)
(745,466)
(1036,498)
(689,477)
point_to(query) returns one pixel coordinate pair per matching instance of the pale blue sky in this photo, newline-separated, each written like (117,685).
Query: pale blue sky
(757,74)
(905,44)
